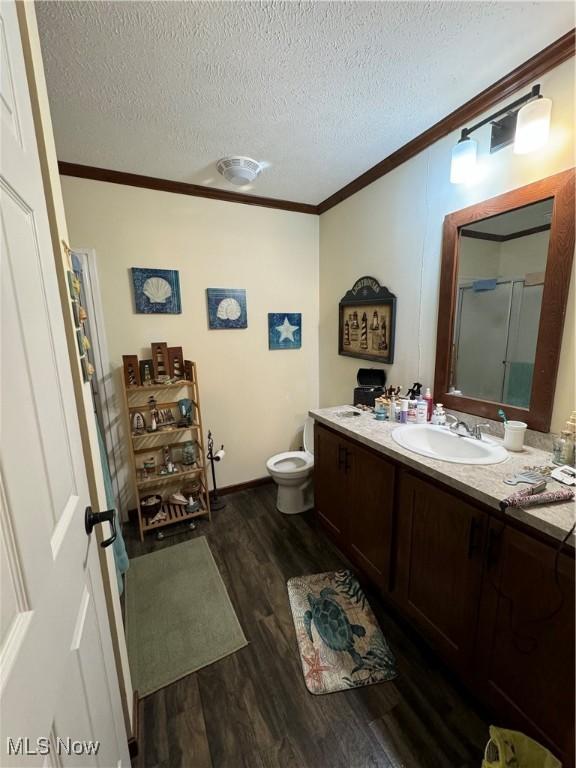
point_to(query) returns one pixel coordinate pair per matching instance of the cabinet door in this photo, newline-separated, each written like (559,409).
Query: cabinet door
(439,566)
(369,511)
(526,638)
(329,480)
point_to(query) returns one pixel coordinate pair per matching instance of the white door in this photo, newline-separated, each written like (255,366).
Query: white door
(58,685)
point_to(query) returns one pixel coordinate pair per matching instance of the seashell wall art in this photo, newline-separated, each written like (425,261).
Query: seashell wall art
(156,291)
(226,308)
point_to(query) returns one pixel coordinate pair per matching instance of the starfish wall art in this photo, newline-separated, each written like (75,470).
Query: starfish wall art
(284,330)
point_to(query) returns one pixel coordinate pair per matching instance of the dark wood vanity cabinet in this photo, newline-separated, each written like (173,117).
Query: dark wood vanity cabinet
(525,641)
(330,482)
(370,506)
(354,499)
(439,546)
(496,602)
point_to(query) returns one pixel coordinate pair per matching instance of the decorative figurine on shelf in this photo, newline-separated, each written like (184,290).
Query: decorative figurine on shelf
(154,416)
(131,370)
(216,502)
(138,423)
(175,362)
(160,361)
(178,499)
(169,465)
(149,467)
(188,453)
(185,408)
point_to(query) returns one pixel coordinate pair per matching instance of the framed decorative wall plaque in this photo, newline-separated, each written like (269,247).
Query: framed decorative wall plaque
(226,308)
(367,317)
(156,291)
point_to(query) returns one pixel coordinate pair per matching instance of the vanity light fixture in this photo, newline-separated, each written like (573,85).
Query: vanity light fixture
(526,122)
(463,159)
(532,126)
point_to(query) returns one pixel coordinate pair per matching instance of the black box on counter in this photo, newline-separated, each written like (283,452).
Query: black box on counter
(371,383)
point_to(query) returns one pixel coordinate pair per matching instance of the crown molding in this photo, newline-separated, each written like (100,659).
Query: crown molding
(550,57)
(179,187)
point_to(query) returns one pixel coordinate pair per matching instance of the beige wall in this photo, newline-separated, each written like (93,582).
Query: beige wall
(524,255)
(393,231)
(511,258)
(254,400)
(478,259)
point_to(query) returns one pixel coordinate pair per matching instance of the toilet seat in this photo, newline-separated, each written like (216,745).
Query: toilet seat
(290,462)
(292,472)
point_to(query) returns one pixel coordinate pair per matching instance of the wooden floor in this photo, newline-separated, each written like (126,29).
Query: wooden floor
(252,709)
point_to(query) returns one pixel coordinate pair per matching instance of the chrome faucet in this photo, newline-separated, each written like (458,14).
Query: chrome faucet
(457,425)
(475,431)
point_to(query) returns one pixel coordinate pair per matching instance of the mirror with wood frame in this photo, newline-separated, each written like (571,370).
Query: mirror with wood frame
(506,267)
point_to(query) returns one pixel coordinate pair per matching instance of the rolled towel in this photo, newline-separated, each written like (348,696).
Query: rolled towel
(527,498)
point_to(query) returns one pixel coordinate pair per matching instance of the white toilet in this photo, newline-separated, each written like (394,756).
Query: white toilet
(292,473)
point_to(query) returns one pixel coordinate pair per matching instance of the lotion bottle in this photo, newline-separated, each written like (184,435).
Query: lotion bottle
(404,412)
(421,412)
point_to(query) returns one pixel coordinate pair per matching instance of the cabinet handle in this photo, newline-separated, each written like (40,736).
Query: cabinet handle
(341,450)
(346,462)
(473,536)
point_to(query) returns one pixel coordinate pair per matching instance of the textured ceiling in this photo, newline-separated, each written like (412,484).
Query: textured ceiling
(518,220)
(320,90)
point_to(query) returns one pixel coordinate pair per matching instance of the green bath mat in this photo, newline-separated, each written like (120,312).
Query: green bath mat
(179,617)
(341,645)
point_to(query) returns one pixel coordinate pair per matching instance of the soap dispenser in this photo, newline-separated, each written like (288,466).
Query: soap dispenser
(439,416)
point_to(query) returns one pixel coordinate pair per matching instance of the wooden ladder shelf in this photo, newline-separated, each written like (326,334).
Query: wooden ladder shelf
(151,444)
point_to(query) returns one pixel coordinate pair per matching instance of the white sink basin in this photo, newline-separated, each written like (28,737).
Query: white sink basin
(439,443)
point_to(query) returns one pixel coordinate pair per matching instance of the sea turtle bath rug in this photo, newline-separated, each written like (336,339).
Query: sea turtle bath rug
(341,645)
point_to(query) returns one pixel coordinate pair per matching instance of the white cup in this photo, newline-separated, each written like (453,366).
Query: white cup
(514,432)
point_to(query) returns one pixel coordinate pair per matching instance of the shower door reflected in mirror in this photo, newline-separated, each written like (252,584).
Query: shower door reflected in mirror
(504,284)
(501,272)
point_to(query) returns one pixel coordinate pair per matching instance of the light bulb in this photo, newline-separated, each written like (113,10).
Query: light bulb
(532,126)
(463,161)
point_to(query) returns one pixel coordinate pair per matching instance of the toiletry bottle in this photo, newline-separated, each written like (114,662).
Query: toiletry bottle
(411,415)
(421,412)
(439,417)
(393,408)
(404,412)
(568,448)
(429,403)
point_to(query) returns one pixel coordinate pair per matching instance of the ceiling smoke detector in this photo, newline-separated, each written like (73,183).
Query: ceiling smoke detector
(239,170)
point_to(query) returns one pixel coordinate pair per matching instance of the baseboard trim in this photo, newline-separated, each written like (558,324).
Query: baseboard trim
(256,483)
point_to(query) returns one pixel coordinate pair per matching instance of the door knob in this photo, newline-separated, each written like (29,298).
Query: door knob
(95,518)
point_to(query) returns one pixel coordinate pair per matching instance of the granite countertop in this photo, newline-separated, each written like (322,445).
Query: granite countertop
(481,482)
